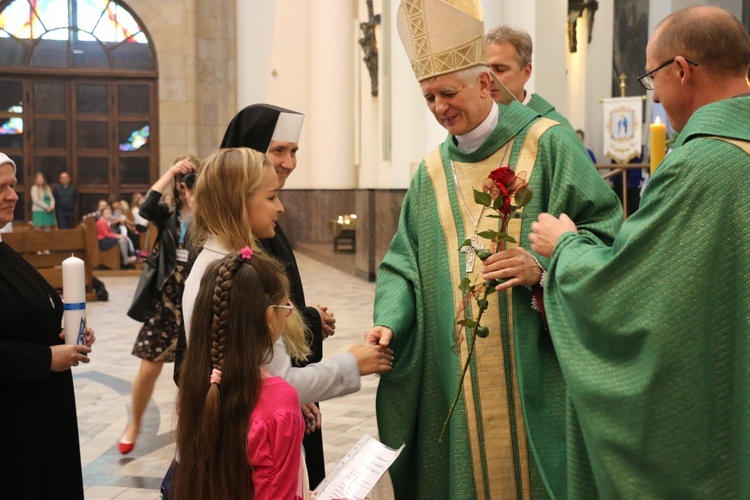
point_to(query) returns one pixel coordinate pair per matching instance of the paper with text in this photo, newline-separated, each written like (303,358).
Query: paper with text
(358,472)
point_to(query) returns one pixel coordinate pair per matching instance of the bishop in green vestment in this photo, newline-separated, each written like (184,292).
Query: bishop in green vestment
(653,332)
(507,437)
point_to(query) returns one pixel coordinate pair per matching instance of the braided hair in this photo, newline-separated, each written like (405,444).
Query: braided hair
(230,336)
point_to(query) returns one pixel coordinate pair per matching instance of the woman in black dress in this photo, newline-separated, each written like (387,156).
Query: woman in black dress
(39,451)
(162,323)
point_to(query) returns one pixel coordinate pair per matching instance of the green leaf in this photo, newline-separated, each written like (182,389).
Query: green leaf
(505,237)
(497,202)
(493,216)
(483,254)
(483,304)
(468,323)
(523,196)
(482,198)
(464,285)
(490,234)
(483,332)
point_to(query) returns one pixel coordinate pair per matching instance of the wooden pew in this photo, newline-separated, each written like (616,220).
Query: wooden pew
(60,244)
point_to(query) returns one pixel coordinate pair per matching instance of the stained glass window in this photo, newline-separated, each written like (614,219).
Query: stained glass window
(96,29)
(137,139)
(13,125)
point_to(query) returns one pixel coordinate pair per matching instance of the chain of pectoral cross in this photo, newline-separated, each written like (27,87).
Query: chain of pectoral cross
(469,250)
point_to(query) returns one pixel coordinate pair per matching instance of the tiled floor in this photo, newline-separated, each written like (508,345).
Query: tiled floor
(103,389)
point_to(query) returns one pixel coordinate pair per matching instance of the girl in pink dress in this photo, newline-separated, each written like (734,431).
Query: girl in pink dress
(239,432)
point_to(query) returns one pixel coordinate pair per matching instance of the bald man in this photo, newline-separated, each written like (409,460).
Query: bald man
(652,333)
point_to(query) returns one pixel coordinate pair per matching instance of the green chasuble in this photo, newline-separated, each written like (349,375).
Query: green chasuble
(653,333)
(507,436)
(547,110)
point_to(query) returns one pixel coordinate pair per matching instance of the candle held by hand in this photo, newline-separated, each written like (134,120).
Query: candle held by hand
(74,294)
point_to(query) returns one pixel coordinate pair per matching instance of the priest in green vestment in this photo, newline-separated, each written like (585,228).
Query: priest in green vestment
(653,332)
(507,436)
(509,58)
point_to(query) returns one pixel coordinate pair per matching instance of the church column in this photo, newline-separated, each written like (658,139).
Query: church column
(330,121)
(255,36)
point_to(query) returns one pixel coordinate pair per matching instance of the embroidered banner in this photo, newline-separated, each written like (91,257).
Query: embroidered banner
(623,119)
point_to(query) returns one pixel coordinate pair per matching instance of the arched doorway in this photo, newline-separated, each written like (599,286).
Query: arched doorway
(78,92)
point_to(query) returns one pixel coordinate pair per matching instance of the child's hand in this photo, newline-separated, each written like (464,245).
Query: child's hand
(313,419)
(372,358)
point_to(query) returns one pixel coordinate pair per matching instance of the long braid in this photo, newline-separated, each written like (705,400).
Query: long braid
(221,307)
(212,406)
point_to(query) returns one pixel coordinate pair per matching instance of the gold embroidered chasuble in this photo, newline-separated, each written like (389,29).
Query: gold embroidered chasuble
(506,438)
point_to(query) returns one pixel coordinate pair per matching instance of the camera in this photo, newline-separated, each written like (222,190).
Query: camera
(189,180)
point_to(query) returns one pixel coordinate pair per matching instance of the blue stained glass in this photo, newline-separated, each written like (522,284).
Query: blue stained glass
(137,140)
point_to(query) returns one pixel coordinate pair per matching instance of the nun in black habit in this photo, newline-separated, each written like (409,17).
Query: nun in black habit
(40,456)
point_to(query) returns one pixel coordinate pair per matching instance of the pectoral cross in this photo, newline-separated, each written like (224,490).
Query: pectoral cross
(471,252)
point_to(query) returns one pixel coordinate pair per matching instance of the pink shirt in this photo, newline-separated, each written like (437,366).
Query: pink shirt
(274,441)
(103,230)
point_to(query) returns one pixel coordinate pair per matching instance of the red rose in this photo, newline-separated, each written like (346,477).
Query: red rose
(503,177)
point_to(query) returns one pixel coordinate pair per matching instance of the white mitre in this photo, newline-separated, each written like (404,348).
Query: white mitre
(442,36)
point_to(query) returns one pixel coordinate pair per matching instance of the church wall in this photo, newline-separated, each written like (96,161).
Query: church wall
(195,47)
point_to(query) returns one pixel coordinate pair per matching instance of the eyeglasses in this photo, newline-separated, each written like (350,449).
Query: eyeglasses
(647,80)
(289,308)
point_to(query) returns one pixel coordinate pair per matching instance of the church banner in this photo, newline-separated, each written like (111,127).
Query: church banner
(623,119)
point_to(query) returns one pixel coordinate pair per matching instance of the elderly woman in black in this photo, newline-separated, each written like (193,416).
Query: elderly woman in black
(39,451)
(158,298)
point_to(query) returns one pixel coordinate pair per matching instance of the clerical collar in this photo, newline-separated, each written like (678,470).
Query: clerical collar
(472,140)
(527,97)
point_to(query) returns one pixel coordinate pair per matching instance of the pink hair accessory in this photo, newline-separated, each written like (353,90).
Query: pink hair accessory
(246,253)
(216,376)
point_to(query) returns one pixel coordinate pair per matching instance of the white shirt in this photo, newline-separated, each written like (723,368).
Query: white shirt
(327,379)
(472,140)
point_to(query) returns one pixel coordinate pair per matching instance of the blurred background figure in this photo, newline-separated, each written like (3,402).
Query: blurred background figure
(42,204)
(582,136)
(108,238)
(66,199)
(158,299)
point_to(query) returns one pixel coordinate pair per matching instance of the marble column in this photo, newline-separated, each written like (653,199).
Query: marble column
(330,122)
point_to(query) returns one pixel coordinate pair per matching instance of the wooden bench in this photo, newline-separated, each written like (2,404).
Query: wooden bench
(45,250)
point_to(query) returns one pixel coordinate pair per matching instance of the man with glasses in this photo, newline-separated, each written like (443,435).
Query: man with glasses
(653,333)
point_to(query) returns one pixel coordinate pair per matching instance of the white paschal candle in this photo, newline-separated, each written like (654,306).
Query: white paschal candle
(74,294)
